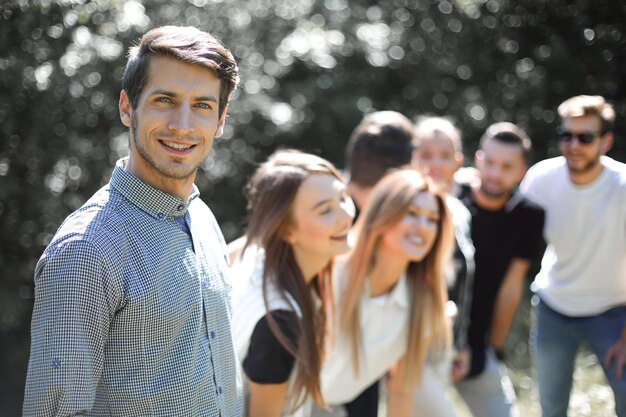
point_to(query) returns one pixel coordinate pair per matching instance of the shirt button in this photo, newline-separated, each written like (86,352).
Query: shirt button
(219,390)
(160,216)
(212,334)
(56,363)
(181,207)
(205,285)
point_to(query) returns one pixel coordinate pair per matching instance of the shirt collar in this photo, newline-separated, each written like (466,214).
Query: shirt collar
(154,202)
(398,295)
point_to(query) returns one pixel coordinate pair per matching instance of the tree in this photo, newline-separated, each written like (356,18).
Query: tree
(309,70)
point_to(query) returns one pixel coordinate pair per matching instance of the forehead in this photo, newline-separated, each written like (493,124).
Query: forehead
(589,123)
(425,200)
(497,150)
(317,187)
(437,142)
(170,74)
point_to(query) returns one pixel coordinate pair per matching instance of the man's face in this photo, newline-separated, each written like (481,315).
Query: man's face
(175,122)
(582,157)
(501,167)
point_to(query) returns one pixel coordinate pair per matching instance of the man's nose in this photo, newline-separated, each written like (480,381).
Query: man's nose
(181,121)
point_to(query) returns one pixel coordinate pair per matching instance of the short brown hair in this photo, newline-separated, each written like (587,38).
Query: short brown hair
(187,44)
(511,134)
(579,106)
(381,141)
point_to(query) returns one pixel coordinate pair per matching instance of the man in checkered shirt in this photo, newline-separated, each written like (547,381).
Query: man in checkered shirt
(132,296)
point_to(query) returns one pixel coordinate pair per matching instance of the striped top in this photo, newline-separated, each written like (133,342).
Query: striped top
(249,306)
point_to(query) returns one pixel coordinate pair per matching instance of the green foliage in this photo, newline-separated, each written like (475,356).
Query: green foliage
(310,70)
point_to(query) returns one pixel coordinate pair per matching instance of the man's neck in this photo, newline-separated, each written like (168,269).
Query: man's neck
(180,188)
(488,202)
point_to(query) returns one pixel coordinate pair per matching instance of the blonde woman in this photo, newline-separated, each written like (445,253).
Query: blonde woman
(300,215)
(391,292)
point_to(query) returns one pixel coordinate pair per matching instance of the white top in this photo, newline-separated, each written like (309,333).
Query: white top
(248,302)
(583,271)
(249,306)
(384,333)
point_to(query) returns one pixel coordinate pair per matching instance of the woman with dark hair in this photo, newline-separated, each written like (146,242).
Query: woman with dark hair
(392,292)
(300,215)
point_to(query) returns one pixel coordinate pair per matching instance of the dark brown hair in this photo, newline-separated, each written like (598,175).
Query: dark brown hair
(381,141)
(187,44)
(510,134)
(271,193)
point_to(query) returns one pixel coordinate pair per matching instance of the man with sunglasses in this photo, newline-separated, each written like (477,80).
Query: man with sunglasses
(581,288)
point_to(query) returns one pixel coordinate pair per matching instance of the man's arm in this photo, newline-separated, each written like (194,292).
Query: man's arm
(70,324)
(508,299)
(617,352)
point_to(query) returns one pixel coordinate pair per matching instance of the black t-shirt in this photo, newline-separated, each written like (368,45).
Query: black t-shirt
(515,231)
(268,361)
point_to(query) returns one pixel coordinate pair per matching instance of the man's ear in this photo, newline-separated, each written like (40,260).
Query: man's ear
(459,158)
(522,172)
(607,142)
(220,125)
(125,109)
(478,157)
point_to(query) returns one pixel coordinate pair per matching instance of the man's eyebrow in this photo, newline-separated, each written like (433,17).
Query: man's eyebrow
(162,92)
(206,98)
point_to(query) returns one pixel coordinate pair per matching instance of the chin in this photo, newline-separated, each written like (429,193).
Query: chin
(417,257)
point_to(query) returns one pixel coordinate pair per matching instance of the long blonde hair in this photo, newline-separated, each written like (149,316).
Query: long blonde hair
(428,327)
(271,193)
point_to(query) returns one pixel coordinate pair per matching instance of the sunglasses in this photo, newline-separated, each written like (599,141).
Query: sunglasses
(566,136)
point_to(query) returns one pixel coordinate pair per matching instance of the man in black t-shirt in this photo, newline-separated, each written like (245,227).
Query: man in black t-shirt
(507,234)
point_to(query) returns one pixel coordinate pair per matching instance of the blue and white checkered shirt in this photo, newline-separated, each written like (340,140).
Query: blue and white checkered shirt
(132,314)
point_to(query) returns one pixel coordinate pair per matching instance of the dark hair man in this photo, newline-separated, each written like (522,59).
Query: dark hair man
(581,288)
(132,300)
(380,142)
(507,236)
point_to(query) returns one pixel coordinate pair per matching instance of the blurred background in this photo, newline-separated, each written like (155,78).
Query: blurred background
(310,70)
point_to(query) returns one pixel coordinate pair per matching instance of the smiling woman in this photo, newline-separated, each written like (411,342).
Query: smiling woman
(391,291)
(300,215)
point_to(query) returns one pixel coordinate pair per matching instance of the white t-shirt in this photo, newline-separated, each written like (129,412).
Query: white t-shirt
(583,271)
(384,333)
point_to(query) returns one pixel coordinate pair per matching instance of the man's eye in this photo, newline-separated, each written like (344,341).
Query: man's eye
(204,106)
(164,100)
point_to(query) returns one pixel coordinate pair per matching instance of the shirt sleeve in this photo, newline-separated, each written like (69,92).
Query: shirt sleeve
(268,361)
(71,316)
(533,243)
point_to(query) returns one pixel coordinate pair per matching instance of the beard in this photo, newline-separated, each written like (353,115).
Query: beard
(170,172)
(588,166)
(493,194)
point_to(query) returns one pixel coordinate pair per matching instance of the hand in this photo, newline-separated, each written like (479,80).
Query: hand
(617,352)
(461,364)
